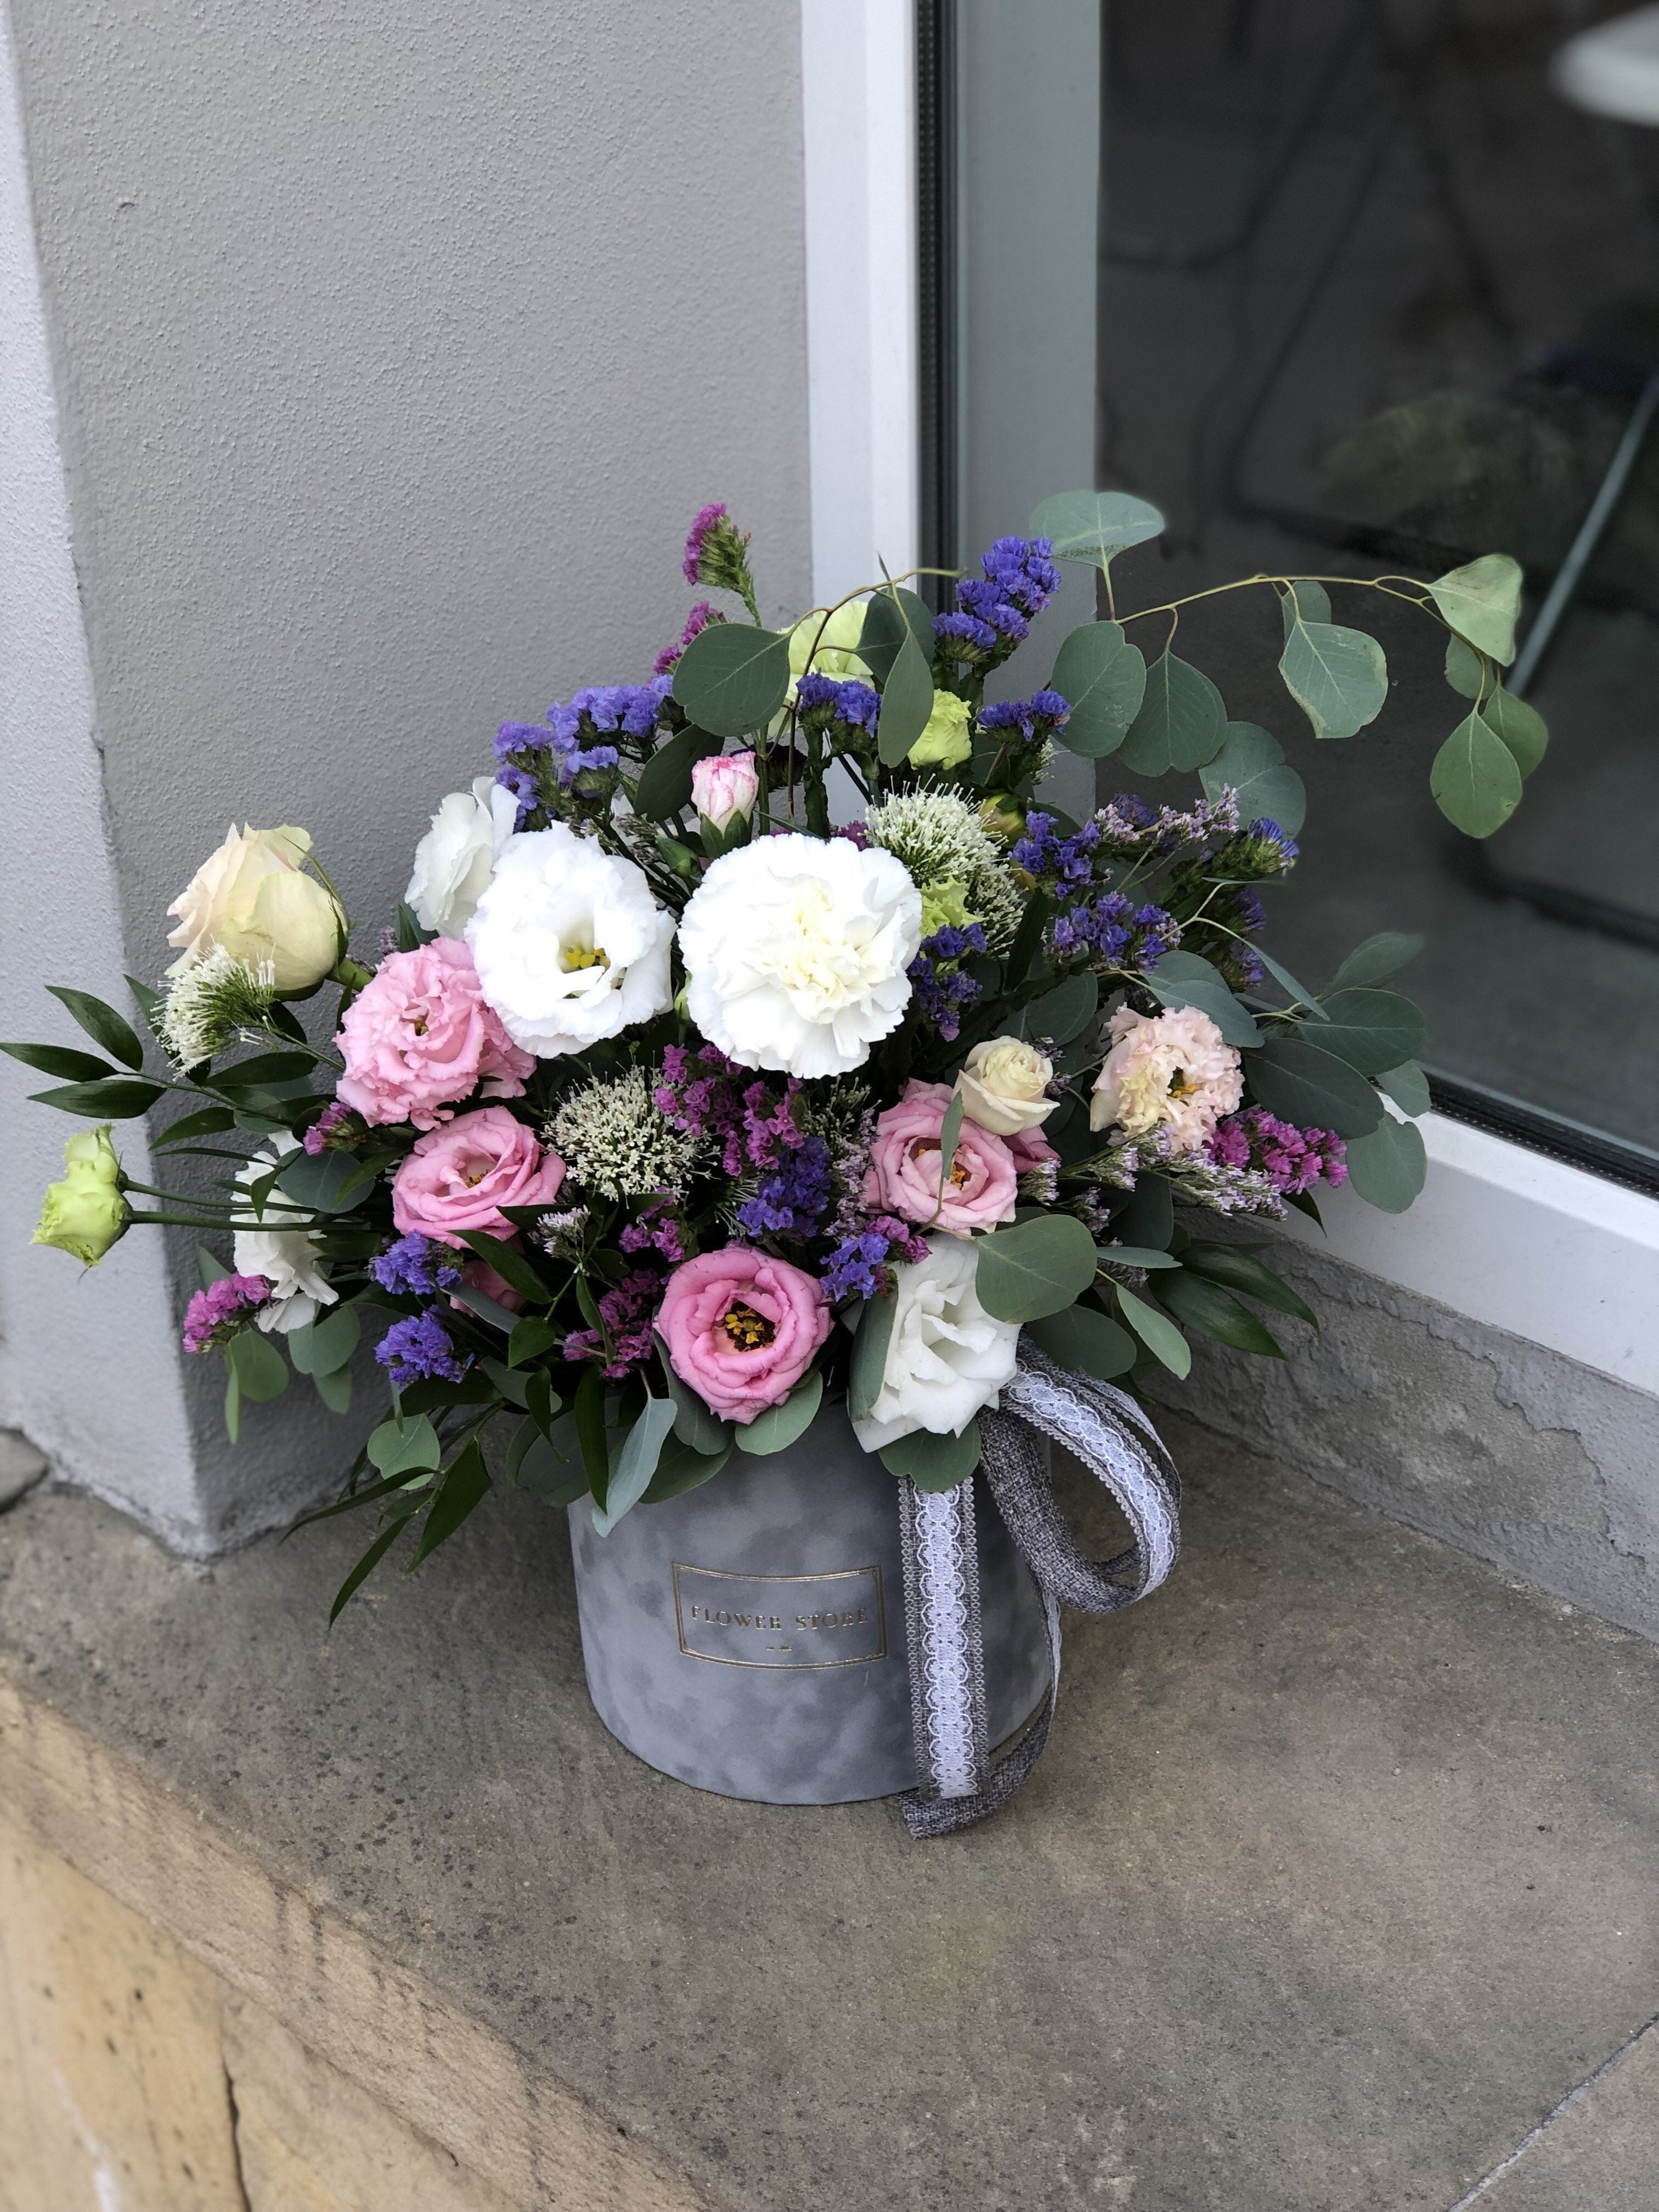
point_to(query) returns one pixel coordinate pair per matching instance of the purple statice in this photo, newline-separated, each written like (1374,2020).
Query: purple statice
(628,709)
(1023,571)
(1111,932)
(695,623)
(1128,827)
(854,833)
(416,1267)
(792,1199)
(752,1124)
(1026,723)
(706,521)
(994,610)
(1056,864)
(576,740)
(219,1312)
(1253,854)
(859,1267)
(659,1228)
(1291,1158)
(820,700)
(418,1347)
(716,552)
(336,1129)
(942,987)
(628,1311)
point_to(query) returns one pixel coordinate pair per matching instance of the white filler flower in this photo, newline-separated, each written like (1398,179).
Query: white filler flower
(947,1359)
(456,859)
(287,1258)
(795,952)
(568,943)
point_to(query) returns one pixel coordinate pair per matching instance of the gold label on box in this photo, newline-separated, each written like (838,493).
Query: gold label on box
(780,1620)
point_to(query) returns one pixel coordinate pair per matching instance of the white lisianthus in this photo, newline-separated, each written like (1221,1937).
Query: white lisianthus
(456,859)
(947,1359)
(253,898)
(1002,1085)
(796,951)
(568,943)
(287,1258)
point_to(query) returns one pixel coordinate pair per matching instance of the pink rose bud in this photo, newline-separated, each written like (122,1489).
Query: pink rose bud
(723,787)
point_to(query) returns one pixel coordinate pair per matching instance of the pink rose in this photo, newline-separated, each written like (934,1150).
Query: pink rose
(742,1329)
(725,786)
(419,1036)
(904,1164)
(462,1174)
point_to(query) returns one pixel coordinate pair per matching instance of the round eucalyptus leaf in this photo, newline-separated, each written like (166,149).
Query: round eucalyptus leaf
(1093,525)
(732,679)
(1475,779)
(934,1462)
(1371,1030)
(1389,1167)
(1252,762)
(1465,670)
(779,1425)
(1481,602)
(1313,1089)
(1187,979)
(1038,1267)
(1377,958)
(1520,726)
(1085,1342)
(1407,1086)
(1182,721)
(1337,675)
(1102,677)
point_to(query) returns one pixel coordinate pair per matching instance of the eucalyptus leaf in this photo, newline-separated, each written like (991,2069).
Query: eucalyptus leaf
(1377,958)
(665,785)
(1287,983)
(1146,1216)
(1475,779)
(1521,727)
(1095,526)
(530,1338)
(1085,1342)
(1313,1089)
(1371,1030)
(258,1366)
(1134,1256)
(907,702)
(1158,1332)
(933,1463)
(679,1469)
(636,1463)
(209,1267)
(326,1344)
(1036,1269)
(950,1135)
(334,1389)
(1407,1086)
(1063,1014)
(323,1182)
(1186,979)
(1252,762)
(1102,677)
(396,1448)
(1389,1166)
(869,1364)
(1481,601)
(1182,722)
(1337,675)
(732,679)
(694,1423)
(778,1425)
(1303,600)
(888,616)
(1466,671)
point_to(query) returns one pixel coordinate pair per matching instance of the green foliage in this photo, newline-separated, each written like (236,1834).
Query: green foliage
(1095,526)
(117,1098)
(932,1462)
(1389,1166)
(1061,1014)
(1481,601)
(1252,761)
(402,1449)
(1085,1341)
(869,1365)
(1186,979)
(510,1264)
(365,1567)
(334,1389)
(731,680)
(1337,675)
(779,1425)
(1467,670)
(887,618)
(1182,721)
(907,702)
(102,1024)
(324,1182)
(1521,727)
(530,1338)
(1371,1030)
(636,1461)
(1036,1269)
(321,1347)
(1475,778)
(1236,1269)
(211,1121)
(61,1061)
(1407,1086)
(1198,1303)
(1146,1217)
(1157,1332)
(1134,1256)
(463,1486)
(1377,959)
(1313,1089)
(260,1369)
(665,785)
(679,1468)
(1104,678)
(694,1423)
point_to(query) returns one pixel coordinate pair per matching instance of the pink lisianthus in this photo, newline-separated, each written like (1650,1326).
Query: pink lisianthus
(904,1166)
(460,1175)
(1173,1070)
(419,1036)
(479,1275)
(725,786)
(742,1329)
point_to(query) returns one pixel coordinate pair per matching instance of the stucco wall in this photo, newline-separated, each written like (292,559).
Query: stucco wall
(393,348)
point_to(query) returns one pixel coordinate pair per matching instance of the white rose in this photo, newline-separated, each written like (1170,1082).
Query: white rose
(568,943)
(795,952)
(1002,1084)
(456,859)
(947,1359)
(287,1258)
(253,898)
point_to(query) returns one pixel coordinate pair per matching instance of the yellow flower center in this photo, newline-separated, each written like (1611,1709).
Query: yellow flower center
(748,1330)
(959,1175)
(574,956)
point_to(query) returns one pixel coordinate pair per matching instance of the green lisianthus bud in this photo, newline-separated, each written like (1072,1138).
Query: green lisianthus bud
(944,906)
(87,1212)
(1002,817)
(947,740)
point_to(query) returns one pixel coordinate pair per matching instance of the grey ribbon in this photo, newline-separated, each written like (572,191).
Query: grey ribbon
(1113,1437)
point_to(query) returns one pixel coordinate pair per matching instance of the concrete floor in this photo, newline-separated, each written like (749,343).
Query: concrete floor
(1341,1874)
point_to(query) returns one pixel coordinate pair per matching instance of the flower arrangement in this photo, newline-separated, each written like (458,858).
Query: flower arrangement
(695,1086)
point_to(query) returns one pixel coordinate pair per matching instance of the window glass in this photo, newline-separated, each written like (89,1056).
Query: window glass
(1353,291)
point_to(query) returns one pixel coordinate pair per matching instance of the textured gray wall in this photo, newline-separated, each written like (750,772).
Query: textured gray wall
(393,349)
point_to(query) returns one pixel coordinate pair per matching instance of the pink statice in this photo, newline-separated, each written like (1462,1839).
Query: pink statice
(335,1130)
(659,1228)
(1293,1159)
(218,1312)
(628,1312)
(752,1124)
(695,623)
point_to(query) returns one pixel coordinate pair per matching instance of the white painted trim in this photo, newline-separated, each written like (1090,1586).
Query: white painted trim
(858,79)
(1526,1243)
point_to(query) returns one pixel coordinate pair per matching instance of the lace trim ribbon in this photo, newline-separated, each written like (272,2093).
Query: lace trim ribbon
(1110,1434)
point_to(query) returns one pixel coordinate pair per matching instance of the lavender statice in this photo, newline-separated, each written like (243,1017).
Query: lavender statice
(419,1347)
(537,761)
(223,1310)
(1111,931)
(1056,864)
(659,1228)
(793,1200)
(994,611)
(820,700)
(1253,854)
(1026,723)
(1128,827)
(942,988)
(860,1264)
(336,1129)
(746,1124)
(415,1267)
(1293,1159)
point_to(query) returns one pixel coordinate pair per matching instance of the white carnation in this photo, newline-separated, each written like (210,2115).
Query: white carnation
(456,859)
(287,1258)
(568,943)
(947,1358)
(795,952)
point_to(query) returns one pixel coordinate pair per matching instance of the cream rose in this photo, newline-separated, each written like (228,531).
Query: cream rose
(456,859)
(1002,1086)
(253,898)
(947,1359)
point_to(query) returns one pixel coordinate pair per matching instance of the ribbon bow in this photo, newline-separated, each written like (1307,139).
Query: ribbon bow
(1113,1437)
